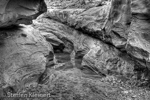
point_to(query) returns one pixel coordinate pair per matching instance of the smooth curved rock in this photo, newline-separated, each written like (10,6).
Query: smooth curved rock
(24,53)
(20,11)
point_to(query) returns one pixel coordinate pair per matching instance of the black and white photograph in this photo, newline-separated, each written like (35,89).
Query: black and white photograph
(74,49)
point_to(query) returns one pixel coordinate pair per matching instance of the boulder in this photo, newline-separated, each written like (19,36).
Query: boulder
(20,11)
(24,54)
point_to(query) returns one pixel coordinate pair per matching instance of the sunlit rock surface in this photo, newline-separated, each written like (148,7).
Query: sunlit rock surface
(24,54)
(20,11)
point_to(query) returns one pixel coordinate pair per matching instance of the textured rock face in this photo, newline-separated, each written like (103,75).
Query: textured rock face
(125,22)
(93,50)
(126,25)
(93,57)
(122,23)
(24,54)
(20,11)
(139,29)
(72,3)
(92,19)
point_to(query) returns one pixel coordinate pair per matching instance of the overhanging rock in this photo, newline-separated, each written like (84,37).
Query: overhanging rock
(13,12)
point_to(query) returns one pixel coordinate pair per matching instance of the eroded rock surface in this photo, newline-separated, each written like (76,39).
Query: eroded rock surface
(73,3)
(20,11)
(93,50)
(91,20)
(121,24)
(95,58)
(24,53)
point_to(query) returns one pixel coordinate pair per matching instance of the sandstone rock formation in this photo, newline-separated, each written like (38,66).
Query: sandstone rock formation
(24,51)
(121,24)
(79,50)
(20,11)
(89,53)
(73,3)
(23,56)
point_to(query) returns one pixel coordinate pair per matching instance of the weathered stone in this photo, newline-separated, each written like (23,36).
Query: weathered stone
(20,11)
(138,37)
(106,59)
(90,54)
(73,3)
(24,53)
(105,64)
(117,28)
(57,44)
(92,19)
(124,24)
